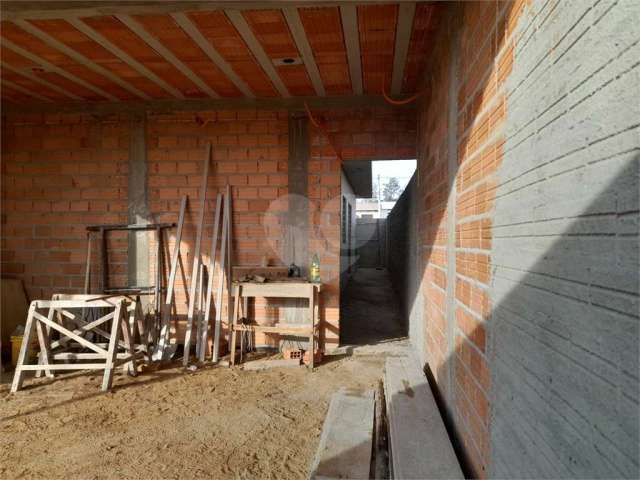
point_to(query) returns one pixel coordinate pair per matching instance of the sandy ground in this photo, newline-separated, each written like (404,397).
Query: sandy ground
(216,422)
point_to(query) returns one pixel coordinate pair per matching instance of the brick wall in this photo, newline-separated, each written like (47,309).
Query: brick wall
(59,174)
(528,208)
(62,172)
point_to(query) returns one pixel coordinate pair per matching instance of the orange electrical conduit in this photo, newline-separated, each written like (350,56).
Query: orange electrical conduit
(324,131)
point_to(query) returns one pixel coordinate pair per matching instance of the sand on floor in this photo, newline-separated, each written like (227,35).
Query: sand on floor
(215,422)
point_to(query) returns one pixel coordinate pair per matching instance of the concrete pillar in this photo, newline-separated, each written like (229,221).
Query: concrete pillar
(138,201)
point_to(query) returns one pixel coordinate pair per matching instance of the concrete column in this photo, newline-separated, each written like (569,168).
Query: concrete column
(138,201)
(296,220)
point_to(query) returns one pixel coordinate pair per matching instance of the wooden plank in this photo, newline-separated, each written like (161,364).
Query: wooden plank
(73,303)
(349,15)
(227,267)
(302,42)
(277,289)
(41,81)
(196,257)
(270,273)
(18,376)
(238,21)
(66,366)
(406,12)
(51,67)
(419,443)
(166,308)
(107,378)
(70,334)
(154,43)
(266,364)
(345,444)
(212,269)
(283,330)
(81,59)
(190,29)
(223,260)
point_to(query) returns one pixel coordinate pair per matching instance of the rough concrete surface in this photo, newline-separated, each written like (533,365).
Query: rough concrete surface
(564,327)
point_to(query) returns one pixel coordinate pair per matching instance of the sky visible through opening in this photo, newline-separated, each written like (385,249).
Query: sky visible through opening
(402,170)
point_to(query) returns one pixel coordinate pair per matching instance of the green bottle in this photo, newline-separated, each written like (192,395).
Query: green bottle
(314,269)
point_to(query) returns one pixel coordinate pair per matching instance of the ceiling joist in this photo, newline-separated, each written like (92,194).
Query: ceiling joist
(81,59)
(41,81)
(21,89)
(406,14)
(241,25)
(194,33)
(51,67)
(302,42)
(349,15)
(123,56)
(154,43)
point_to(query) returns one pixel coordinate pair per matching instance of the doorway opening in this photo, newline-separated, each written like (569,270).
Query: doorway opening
(370,312)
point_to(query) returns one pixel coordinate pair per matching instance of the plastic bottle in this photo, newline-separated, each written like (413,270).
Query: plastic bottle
(314,269)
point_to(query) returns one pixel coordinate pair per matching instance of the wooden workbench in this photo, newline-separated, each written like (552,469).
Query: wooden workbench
(277,289)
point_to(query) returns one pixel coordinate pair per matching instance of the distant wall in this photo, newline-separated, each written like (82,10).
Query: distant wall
(403,263)
(347,231)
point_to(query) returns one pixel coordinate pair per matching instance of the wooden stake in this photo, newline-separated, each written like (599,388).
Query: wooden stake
(212,267)
(221,278)
(166,307)
(196,259)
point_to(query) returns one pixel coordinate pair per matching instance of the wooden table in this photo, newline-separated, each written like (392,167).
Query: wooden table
(280,289)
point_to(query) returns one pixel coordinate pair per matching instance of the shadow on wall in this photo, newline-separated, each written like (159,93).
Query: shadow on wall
(562,344)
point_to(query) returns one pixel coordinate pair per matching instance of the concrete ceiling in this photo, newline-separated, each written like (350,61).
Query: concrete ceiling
(116,52)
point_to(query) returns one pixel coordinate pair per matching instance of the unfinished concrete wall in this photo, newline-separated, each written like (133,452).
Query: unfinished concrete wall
(403,263)
(528,194)
(62,172)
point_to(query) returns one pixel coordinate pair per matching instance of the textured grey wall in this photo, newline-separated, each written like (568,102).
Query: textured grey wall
(564,328)
(404,264)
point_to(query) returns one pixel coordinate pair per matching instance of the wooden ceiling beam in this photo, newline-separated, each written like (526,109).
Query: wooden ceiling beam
(196,35)
(302,42)
(170,106)
(349,15)
(21,89)
(81,59)
(241,25)
(27,74)
(124,57)
(163,51)
(406,13)
(51,67)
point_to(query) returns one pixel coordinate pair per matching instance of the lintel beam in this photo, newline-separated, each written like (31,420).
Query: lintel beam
(170,106)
